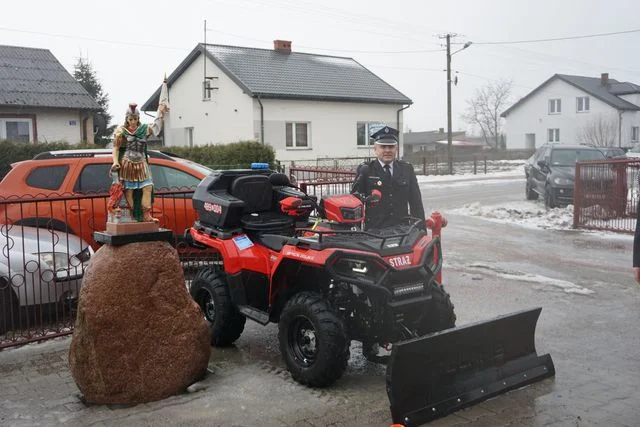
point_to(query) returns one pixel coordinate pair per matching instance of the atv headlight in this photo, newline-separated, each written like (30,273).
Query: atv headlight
(359,269)
(562,181)
(351,213)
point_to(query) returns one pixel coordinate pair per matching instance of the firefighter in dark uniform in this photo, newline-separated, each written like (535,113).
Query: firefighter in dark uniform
(396,181)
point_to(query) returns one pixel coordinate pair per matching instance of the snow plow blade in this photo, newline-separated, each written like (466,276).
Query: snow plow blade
(432,376)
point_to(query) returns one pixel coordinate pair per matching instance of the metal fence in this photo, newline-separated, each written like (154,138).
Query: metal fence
(606,195)
(46,244)
(319,181)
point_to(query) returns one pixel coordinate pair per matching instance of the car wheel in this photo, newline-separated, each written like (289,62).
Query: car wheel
(210,290)
(531,195)
(313,340)
(549,198)
(9,308)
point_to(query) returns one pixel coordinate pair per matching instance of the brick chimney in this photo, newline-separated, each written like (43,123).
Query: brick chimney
(604,79)
(282,46)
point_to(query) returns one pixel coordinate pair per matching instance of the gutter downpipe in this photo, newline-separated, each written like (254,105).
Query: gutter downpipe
(620,128)
(398,124)
(261,120)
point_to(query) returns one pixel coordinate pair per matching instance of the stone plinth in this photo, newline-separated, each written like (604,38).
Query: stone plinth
(139,336)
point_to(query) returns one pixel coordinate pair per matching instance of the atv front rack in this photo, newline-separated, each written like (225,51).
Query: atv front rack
(386,241)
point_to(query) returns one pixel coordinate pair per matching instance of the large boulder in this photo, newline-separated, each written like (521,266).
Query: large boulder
(138,336)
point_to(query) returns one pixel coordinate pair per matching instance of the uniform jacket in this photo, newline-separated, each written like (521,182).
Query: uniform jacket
(400,194)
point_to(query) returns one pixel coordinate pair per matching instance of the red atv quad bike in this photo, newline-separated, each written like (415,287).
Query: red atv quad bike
(327,282)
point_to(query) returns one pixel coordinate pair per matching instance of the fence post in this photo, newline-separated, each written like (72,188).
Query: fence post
(577,195)
(424,165)
(475,164)
(485,165)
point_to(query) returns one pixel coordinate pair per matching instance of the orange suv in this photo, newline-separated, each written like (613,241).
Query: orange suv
(67,190)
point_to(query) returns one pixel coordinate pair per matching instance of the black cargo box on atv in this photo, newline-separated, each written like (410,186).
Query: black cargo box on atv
(245,199)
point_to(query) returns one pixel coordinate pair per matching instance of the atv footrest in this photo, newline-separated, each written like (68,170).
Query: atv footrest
(259,316)
(432,376)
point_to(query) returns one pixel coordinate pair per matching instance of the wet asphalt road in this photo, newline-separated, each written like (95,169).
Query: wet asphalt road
(589,324)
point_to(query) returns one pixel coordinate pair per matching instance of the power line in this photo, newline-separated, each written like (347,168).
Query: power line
(564,38)
(39,33)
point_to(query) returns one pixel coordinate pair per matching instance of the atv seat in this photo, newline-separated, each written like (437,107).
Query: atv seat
(275,242)
(256,191)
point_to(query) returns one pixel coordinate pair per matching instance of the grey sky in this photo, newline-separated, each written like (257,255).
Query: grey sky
(132,44)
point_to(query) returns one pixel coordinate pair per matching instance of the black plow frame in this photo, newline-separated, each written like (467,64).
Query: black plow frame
(432,376)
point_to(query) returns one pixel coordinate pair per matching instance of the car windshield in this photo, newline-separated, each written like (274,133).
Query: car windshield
(569,157)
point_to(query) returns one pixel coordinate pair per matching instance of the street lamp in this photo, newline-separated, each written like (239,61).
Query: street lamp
(449,135)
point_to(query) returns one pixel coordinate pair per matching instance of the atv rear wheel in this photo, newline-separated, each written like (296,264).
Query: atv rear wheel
(210,290)
(440,315)
(313,340)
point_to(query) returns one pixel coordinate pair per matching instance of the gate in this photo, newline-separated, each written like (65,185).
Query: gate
(606,195)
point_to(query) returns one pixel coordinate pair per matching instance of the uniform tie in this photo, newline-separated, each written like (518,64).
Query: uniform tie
(387,170)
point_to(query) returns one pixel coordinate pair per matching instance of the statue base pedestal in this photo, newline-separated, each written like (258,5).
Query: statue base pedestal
(132,227)
(145,232)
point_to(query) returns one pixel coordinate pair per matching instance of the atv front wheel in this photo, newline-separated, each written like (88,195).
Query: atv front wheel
(210,290)
(440,315)
(313,340)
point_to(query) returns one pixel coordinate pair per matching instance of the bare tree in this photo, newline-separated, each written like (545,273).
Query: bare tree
(600,131)
(484,109)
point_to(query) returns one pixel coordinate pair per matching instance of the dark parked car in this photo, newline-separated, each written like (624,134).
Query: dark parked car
(613,152)
(551,173)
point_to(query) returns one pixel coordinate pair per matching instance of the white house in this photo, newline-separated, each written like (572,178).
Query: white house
(576,109)
(40,101)
(305,105)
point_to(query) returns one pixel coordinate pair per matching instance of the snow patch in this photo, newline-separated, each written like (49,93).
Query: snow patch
(566,286)
(529,214)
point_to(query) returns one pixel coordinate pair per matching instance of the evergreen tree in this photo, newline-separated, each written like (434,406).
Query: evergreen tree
(86,76)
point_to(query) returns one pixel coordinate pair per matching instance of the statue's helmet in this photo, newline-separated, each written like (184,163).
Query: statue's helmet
(132,110)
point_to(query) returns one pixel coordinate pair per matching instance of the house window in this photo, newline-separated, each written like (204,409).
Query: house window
(16,130)
(582,104)
(297,135)
(555,106)
(206,90)
(553,135)
(635,133)
(364,132)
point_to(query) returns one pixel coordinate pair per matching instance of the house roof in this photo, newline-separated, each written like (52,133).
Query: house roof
(608,93)
(427,137)
(31,77)
(268,73)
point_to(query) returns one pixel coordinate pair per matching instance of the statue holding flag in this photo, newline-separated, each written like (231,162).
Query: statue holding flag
(130,160)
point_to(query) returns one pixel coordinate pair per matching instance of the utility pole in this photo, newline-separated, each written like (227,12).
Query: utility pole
(448,37)
(449,134)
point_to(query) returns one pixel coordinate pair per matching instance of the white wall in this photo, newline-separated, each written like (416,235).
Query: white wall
(59,125)
(227,117)
(532,116)
(51,125)
(332,126)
